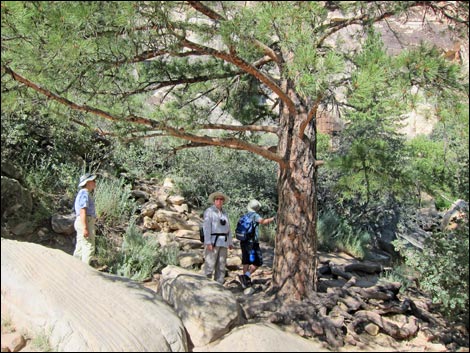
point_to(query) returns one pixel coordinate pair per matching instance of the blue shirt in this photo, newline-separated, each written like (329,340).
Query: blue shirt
(85,200)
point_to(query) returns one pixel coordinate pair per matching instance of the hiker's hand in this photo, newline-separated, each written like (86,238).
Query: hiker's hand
(230,247)
(210,247)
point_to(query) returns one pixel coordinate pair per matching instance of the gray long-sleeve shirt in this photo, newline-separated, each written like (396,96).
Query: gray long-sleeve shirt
(212,224)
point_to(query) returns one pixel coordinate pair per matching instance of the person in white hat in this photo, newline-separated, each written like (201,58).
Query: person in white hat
(85,213)
(250,265)
(217,237)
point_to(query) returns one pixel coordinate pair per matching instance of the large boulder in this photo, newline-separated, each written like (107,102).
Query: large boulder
(207,309)
(80,308)
(262,337)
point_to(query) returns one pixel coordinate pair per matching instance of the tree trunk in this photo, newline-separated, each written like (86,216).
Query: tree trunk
(295,257)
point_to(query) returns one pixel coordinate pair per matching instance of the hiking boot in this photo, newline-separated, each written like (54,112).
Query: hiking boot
(248,281)
(242,279)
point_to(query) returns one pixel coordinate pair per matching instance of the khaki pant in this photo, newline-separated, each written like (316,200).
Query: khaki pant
(85,247)
(215,259)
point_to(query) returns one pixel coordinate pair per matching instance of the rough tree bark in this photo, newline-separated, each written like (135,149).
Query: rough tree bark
(295,258)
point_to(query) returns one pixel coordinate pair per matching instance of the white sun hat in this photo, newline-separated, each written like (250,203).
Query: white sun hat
(253,206)
(86,178)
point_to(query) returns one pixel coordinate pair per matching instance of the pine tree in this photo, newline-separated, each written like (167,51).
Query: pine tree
(270,65)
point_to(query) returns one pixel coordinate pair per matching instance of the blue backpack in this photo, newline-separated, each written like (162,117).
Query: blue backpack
(246,227)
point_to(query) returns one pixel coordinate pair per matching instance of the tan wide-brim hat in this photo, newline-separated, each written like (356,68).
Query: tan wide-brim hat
(218,194)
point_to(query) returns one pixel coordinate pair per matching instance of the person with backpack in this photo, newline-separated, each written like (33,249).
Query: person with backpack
(217,237)
(252,258)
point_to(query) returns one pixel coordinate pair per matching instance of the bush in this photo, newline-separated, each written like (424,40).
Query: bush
(139,158)
(241,175)
(113,200)
(138,257)
(399,272)
(49,147)
(442,266)
(267,233)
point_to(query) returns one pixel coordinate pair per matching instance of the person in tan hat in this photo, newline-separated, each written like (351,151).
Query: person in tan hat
(252,245)
(85,213)
(217,237)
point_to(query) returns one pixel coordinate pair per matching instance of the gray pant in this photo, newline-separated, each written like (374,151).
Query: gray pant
(215,259)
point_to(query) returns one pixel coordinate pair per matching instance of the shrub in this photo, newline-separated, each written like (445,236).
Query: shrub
(113,200)
(243,176)
(442,266)
(138,257)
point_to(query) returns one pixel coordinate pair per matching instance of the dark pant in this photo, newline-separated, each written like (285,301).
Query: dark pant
(246,246)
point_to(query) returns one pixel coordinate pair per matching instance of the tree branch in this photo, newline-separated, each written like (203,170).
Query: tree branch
(267,50)
(248,68)
(199,6)
(175,132)
(151,54)
(189,145)
(337,25)
(453,11)
(310,115)
(254,128)
(152,86)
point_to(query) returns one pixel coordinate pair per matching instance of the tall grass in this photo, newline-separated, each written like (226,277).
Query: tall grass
(335,234)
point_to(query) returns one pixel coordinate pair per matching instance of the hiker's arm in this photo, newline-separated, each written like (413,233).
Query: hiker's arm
(207,227)
(266,220)
(83,220)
